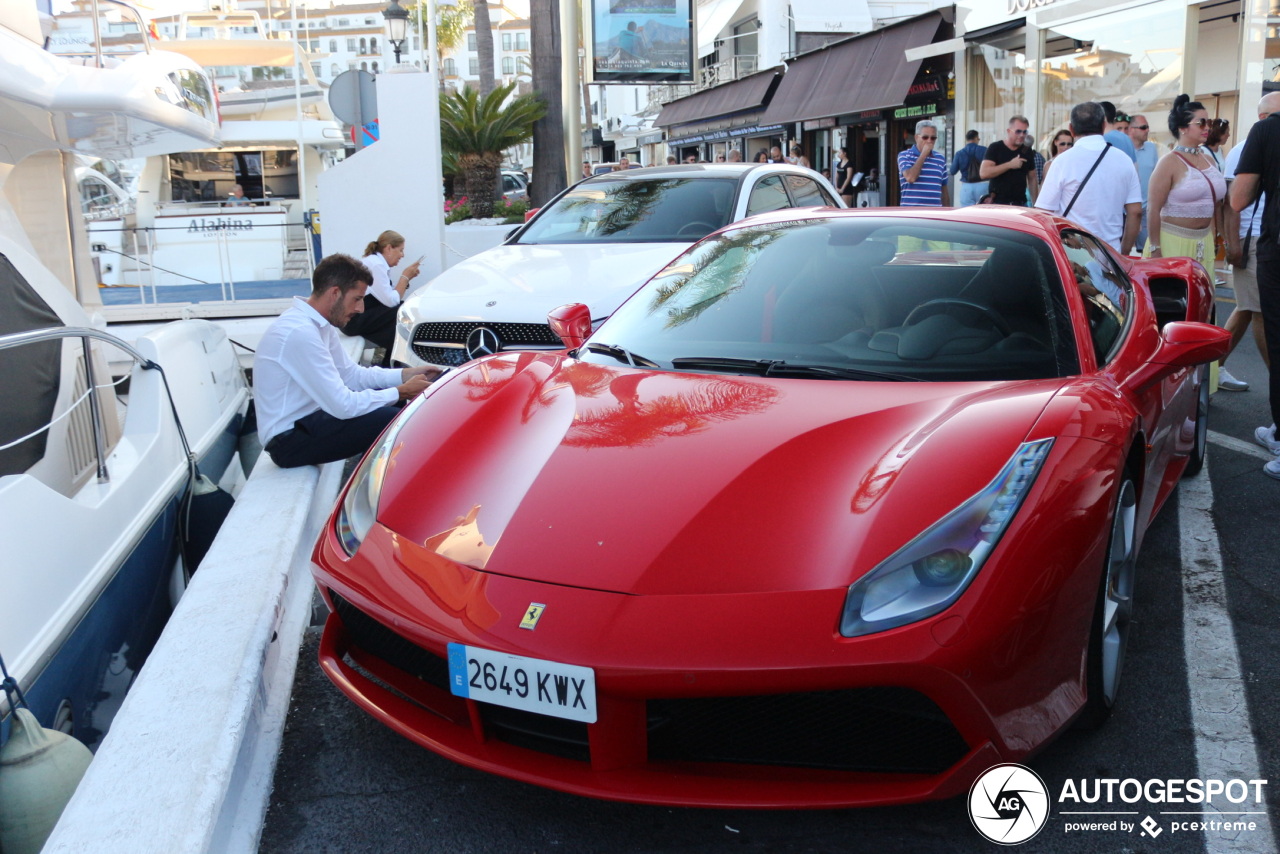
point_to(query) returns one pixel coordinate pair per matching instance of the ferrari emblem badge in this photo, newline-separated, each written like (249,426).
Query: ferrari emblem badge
(531,615)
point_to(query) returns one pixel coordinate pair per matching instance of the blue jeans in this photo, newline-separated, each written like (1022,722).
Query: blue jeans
(971,193)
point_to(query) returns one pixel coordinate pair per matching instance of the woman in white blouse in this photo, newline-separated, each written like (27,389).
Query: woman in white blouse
(377,323)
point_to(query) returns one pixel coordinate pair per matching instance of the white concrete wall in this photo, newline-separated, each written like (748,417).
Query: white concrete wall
(395,183)
(188,764)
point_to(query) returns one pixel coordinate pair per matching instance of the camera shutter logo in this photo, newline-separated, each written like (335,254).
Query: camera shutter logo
(1009,804)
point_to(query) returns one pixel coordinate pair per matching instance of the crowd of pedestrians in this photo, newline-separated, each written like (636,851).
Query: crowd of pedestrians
(1195,199)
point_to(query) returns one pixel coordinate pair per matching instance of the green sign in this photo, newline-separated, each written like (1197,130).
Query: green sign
(912,112)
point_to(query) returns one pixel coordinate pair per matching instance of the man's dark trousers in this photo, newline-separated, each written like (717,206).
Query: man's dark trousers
(320,438)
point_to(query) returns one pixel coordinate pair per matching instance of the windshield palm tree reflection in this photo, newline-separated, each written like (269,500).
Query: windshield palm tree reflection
(615,209)
(717,270)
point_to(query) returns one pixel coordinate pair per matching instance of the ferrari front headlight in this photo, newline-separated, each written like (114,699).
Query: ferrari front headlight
(359,506)
(929,573)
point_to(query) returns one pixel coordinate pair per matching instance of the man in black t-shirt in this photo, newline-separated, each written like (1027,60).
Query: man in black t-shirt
(1010,166)
(1259,170)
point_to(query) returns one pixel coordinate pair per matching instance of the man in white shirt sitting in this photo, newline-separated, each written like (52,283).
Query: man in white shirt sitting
(314,404)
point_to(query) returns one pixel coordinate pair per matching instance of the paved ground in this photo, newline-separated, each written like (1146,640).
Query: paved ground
(348,784)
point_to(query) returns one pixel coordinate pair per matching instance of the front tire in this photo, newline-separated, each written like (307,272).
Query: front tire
(1109,637)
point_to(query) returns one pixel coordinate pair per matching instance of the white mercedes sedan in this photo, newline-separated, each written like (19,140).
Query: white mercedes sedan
(595,243)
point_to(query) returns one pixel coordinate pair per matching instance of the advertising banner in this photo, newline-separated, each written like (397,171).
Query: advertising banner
(642,41)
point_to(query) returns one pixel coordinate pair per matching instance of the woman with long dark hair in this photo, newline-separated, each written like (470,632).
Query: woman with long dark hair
(844,176)
(1186,190)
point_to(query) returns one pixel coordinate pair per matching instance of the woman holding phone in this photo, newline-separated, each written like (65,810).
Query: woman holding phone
(377,323)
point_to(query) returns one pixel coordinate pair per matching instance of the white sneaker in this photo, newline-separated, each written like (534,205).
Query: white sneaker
(1272,469)
(1226,382)
(1266,437)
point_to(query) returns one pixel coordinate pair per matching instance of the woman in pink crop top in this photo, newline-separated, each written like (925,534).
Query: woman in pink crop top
(1185,197)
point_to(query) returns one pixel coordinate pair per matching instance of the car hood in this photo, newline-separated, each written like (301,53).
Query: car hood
(540,467)
(523,283)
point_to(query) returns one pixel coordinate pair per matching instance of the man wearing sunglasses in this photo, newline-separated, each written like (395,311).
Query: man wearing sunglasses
(1010,166)
(1145,156)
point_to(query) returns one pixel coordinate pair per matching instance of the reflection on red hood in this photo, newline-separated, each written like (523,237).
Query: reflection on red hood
(649,482)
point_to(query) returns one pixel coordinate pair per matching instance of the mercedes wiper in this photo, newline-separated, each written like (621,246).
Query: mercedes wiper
(622,355)
(782,368)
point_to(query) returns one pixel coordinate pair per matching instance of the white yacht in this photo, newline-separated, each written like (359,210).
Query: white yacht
(101,496)
(189,247)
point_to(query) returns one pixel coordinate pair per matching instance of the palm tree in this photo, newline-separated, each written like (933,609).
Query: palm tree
(549,176)
(484,46)
(478,129)
(450,29)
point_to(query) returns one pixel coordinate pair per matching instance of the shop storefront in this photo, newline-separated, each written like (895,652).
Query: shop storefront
(861,93)
(1039,58)
(718,120)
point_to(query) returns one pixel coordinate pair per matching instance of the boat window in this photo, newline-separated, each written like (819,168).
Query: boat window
(208,176)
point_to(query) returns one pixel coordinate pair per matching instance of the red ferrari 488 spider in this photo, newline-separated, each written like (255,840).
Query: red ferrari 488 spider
(841,508)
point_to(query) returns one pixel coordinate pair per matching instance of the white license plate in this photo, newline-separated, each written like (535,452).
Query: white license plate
(546,687)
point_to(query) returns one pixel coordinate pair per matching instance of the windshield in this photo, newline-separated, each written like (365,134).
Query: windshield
(852,298)
(659,210)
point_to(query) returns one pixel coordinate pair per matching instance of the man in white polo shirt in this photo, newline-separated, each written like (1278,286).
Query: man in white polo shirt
(1109,201)
(314,404)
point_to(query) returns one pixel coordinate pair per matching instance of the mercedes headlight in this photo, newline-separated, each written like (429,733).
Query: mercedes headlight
(359,506)
(404,322)
(929,573)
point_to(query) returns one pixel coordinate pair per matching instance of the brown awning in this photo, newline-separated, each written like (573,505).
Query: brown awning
(749,93)
(867,72)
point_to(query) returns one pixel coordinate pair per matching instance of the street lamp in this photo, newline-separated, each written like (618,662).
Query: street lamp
(397,25)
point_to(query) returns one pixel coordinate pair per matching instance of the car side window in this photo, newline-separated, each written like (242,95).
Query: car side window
(1107,292)
(805,192)
(768,195)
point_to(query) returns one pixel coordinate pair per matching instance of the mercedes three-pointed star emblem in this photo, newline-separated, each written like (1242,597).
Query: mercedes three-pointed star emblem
(482,341)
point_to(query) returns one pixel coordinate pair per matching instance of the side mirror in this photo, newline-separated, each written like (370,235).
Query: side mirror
(572,323)
(1183,344)
(528,215)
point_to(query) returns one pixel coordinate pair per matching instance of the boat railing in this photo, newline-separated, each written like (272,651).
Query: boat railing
(203,252)
(93,391)
(97,29)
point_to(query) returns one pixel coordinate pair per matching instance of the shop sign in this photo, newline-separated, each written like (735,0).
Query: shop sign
(912,112)
(715,135)
(930,87)
(1020,7)
(649,138)
(866,117)
(818,124)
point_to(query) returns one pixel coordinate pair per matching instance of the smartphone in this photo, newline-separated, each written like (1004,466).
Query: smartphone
(420,257)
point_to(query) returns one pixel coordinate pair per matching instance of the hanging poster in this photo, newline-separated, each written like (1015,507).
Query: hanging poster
(642,41)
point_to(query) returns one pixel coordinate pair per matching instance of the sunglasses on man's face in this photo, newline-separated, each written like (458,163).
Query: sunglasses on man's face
(928,138)
(1019,130)
(1139,127)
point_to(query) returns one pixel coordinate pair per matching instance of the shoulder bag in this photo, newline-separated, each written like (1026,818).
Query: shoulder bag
(1087,176)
